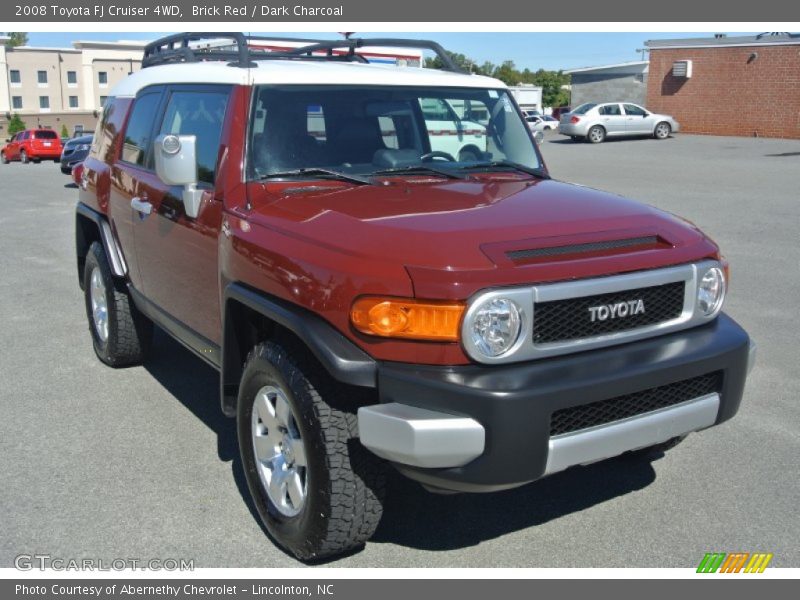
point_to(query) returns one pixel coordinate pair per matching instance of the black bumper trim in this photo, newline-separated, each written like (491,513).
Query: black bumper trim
(514,402)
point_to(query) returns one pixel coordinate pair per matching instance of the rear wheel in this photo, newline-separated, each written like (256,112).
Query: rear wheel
(596,134)
(23,157)
(317,490)
(121,335)
(662,131)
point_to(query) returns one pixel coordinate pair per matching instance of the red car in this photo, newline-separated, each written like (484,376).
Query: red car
(372,301)
(32,145)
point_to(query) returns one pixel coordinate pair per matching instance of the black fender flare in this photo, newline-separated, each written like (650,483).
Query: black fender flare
(84,238)
(343,360)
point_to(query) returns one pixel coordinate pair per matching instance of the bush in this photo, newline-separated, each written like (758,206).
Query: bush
(15,125)
(64,131)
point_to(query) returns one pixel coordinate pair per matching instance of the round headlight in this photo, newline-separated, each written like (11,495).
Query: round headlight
(711,292)
(495,326)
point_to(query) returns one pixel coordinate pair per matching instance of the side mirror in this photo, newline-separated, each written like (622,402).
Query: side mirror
(176,164)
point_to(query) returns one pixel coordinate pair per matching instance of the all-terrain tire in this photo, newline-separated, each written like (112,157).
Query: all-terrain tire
(129,332)
(345,482)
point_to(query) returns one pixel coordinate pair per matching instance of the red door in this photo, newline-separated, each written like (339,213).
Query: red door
(178,255)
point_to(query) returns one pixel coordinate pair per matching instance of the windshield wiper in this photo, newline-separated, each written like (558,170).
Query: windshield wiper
(539,173)
(420,168)
(322,173)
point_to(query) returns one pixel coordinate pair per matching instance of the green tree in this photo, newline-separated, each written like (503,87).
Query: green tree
(64,131)
(15,125)
(16,38)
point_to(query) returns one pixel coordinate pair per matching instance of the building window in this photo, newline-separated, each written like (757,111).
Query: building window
(41,77)
(16,101)
(73,102)
(103,101)
(14,76)
(44,102)
(72,77)
(102,77)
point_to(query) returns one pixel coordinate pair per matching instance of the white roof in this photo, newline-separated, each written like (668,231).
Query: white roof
(299,72)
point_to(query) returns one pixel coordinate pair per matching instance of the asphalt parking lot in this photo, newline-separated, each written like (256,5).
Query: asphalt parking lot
(139,463)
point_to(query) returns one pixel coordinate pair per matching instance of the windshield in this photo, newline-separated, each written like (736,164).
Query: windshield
(583,108)
(366,130)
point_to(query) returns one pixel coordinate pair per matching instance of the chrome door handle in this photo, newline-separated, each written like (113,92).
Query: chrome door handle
(141,206)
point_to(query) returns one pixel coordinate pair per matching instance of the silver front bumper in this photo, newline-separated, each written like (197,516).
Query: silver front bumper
(423,438)
(597,443)
(418,437)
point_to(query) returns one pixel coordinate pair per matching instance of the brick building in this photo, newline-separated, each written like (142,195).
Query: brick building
(744,86)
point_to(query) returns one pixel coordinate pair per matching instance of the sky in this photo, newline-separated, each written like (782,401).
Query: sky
(532,50)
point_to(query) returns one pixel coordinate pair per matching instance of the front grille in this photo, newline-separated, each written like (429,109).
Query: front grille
(530,253)
(576,418)
(571,319)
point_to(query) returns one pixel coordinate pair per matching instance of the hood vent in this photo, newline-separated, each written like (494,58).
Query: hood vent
(572,249)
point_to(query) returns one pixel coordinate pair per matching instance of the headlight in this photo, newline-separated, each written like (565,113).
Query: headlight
(495,326)
(711,292)
(82,147)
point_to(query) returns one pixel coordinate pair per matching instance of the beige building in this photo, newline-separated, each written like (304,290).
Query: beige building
(55,87)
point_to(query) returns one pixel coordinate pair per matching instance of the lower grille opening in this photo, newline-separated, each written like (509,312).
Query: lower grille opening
(601,412)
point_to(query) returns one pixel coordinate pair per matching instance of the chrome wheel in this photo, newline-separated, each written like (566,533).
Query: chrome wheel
(97,296)
(279,451)
(663,130)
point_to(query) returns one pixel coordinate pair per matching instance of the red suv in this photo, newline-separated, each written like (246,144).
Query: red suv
(32,145)
(372,301)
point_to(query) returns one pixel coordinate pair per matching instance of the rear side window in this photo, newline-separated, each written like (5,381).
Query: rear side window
(140,126)
(201,114)
(45,135)
(610,109)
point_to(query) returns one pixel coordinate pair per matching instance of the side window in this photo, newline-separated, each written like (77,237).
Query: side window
(435,109)
(200,114)
(136,141)
(610,109)
(632,109)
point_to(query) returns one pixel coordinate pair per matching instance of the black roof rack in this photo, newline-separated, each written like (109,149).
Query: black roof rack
(176,48)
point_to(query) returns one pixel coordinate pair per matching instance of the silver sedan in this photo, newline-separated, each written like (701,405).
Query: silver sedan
(596,122)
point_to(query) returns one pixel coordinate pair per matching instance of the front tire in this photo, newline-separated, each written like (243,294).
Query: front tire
(298,425)
(3,158)
(121,335)
(662,131)
(596,134)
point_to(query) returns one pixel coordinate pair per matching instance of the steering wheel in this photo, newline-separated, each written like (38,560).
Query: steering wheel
(437,154)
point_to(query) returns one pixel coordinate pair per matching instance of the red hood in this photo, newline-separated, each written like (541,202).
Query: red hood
(454,235)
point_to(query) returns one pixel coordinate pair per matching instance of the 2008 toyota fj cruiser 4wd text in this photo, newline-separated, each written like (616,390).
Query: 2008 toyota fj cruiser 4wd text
(375,293)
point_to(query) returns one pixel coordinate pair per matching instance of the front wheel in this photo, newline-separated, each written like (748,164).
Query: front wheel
(596,134)
(3,158)
(317,490)
(662,131)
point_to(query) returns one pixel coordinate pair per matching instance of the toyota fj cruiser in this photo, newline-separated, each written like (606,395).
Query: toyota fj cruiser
(371,298)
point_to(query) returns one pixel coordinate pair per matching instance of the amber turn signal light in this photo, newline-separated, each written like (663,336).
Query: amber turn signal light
(407,318)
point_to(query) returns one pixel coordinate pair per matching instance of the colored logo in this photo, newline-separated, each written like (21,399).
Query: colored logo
(737,562)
